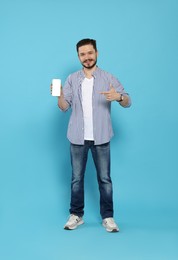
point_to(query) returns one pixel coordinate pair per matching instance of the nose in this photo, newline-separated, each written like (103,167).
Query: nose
(87,56)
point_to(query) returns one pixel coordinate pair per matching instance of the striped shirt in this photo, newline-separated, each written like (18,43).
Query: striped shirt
(102,126)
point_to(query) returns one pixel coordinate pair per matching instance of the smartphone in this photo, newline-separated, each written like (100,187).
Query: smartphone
(56,87)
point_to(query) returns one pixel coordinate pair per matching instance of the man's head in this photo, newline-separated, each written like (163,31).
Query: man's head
(87,52)
(86,42)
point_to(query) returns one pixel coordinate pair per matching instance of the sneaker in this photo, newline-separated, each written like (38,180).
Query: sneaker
(110,225)
(73,222)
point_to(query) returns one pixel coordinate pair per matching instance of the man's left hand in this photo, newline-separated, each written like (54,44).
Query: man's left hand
(112,94)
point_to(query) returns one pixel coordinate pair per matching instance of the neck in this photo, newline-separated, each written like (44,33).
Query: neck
(89,72)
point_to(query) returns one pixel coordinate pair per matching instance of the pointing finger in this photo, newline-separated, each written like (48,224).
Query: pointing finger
(105,92)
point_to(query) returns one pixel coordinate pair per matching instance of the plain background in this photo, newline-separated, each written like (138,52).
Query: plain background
(138,43)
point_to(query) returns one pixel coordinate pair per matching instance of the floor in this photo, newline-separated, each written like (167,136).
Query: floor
(37,233)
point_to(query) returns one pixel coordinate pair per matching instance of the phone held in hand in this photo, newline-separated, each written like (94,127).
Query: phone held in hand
(56,87)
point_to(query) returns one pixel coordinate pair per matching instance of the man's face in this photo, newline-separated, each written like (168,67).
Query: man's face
(87,56)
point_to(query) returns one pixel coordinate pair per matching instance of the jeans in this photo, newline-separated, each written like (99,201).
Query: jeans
(101,158)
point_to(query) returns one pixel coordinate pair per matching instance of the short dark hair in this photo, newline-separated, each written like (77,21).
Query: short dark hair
(85,42)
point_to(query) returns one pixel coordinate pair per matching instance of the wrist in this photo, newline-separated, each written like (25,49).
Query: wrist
(121,98)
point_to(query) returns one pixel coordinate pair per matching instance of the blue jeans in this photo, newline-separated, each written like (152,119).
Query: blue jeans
(101,158)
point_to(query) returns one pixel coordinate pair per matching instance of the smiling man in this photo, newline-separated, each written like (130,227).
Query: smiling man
(89,93)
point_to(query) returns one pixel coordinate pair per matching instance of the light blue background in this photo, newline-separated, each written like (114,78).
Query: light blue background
(138,43)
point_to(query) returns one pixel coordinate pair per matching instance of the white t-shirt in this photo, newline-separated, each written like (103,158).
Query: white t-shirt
(87,91)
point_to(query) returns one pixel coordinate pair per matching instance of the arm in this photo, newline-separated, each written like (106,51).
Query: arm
(62,104)
(113,95)
(124,100)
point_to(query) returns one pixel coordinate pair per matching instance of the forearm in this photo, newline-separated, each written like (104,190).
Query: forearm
(126,102)
(62,104)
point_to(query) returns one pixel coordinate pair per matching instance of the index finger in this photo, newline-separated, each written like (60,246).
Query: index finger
(105,92)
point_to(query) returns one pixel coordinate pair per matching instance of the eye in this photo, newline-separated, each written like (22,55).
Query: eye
(82,54)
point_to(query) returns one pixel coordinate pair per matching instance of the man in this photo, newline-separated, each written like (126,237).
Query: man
(89,93)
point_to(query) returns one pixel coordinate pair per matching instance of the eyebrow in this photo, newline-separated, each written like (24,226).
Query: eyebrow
(82,53)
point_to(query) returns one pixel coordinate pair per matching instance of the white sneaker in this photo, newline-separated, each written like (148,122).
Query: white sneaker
(110,225)
(73,222)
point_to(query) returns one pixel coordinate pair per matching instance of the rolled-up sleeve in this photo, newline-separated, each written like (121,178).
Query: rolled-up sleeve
(119,88)
(67,91)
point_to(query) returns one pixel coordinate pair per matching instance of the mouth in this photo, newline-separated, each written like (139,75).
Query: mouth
(88,61)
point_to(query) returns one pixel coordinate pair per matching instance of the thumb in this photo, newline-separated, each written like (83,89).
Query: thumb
(112,88)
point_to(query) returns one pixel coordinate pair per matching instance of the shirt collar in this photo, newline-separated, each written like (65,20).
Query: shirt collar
(82,74)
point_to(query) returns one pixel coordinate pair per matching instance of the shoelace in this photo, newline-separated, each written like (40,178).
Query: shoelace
(110,221)
(73,218)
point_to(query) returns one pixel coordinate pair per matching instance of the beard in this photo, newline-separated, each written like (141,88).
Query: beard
(89,66)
